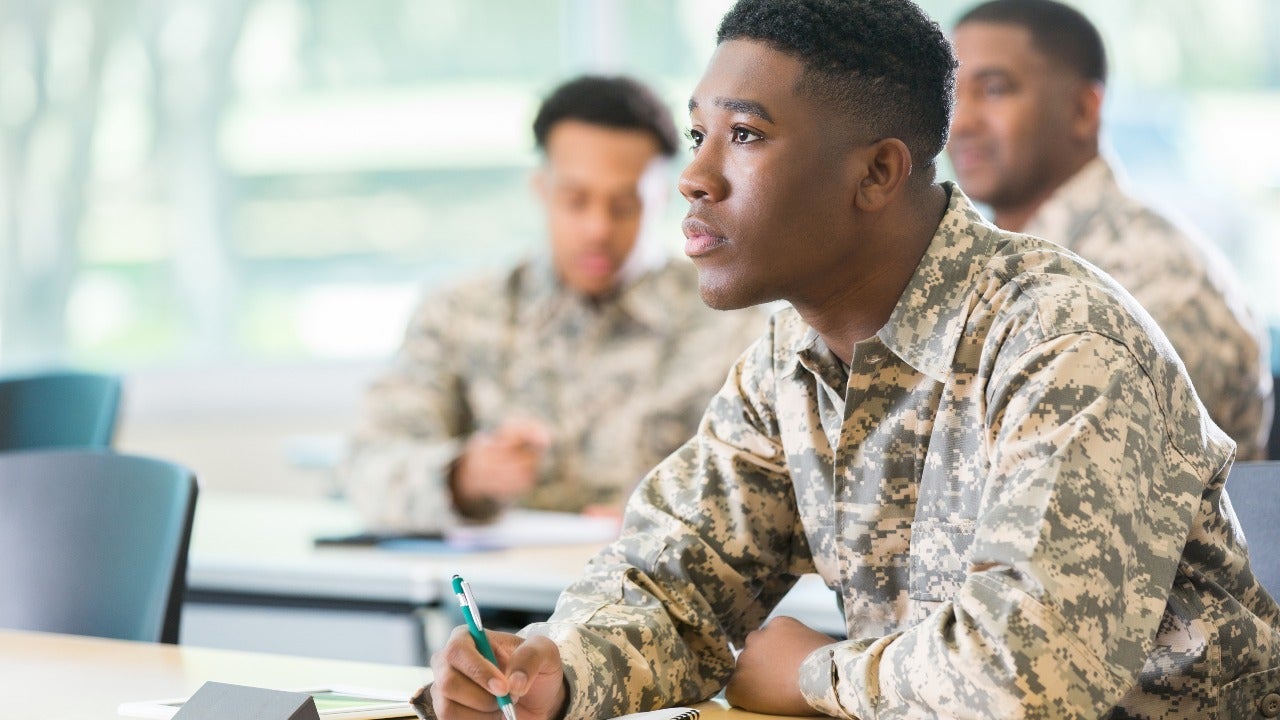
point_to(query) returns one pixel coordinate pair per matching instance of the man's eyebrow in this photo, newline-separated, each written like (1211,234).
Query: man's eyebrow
(992,72)
(749,107)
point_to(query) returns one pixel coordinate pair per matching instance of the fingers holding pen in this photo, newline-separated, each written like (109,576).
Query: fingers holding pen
(466,684)
(464,679)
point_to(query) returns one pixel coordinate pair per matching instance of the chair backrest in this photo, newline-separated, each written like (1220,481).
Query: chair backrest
(94,543)
(58,409)
(1254,489)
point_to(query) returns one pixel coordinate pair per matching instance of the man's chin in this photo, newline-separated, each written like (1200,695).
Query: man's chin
(976,187)
(720,297)
(594,287)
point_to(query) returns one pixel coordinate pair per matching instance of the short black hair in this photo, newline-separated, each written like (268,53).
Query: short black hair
(616,102)
(883,62)
(1059,31)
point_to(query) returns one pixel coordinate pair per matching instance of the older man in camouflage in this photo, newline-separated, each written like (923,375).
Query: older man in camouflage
(988,450)
(558,383)
(1024,140)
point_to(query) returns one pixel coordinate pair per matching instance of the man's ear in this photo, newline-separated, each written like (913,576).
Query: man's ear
(1086,121)
(538,182)
(887,164)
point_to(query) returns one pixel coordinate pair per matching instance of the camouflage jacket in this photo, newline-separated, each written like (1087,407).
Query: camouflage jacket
(1013,492)
(621,383)
(1187,286)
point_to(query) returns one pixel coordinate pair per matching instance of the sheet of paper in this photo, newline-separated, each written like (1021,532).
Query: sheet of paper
(526,528)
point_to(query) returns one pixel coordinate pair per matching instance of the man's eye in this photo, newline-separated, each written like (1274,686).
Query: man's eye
(625,209)
(695,138)
(997,89)
(743,135)
(572,200)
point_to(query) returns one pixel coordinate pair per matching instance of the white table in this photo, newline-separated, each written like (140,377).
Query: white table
(256,581)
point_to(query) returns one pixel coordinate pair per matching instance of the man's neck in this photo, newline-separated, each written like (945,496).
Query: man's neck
(1016,217)
(864,305)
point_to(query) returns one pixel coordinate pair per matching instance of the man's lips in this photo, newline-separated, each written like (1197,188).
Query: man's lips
(596,264)
(966,157)
(701,238)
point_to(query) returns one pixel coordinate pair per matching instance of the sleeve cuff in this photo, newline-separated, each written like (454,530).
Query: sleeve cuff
(818,682)
(582,687)
(823,687)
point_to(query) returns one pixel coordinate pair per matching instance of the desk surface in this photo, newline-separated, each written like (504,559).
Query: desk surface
(64,677)
(262,545)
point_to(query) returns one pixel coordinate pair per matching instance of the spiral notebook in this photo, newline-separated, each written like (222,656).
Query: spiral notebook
(675,713)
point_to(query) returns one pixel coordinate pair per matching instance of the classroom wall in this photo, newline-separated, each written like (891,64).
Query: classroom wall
(246,429)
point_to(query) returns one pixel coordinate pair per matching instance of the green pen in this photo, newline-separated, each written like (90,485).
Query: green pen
(471,613)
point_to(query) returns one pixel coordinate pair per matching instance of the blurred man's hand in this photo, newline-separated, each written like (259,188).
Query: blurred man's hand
(502,465)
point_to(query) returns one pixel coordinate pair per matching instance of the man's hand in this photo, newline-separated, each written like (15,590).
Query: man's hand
(502,465)
(767,679)
(599,510)
(466,686)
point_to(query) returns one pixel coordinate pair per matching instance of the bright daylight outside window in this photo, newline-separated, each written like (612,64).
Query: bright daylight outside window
(267,181)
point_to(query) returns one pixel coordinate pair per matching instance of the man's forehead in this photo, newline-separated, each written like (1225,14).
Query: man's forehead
(981,45)
(737,105)
(744,76)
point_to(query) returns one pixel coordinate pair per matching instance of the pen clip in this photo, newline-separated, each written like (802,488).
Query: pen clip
(468,601)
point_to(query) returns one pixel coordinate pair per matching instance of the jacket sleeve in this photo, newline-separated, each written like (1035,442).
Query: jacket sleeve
(1079,533)
(711,542)
(413,423)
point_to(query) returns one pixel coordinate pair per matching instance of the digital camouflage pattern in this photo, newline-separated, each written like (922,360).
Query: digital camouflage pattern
(620,382)
(1014,492)
(1186,285)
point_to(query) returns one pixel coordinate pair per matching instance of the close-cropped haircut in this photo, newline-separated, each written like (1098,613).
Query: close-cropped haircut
(1059,31)
(614,102)
(883,63)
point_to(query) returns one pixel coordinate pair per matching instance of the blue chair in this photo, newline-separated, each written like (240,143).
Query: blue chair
(58,409)
(1254,489)
(94,543)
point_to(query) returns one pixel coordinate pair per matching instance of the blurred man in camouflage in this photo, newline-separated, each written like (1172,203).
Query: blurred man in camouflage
(1024,140)
(982,444)
(559,383)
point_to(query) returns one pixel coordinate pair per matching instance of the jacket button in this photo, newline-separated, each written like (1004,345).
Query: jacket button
(1270,705)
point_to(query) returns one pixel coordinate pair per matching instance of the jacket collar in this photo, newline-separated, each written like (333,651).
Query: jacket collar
(925,326)
(1076,202)
(545,297)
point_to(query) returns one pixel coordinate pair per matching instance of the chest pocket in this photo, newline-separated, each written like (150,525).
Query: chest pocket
(939,558)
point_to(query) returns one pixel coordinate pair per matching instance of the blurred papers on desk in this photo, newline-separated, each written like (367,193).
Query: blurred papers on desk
(514,529)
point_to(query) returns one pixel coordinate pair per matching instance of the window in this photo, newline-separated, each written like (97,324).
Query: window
(269,181)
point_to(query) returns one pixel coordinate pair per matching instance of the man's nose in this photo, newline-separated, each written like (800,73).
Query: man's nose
(702,178)
(965,118)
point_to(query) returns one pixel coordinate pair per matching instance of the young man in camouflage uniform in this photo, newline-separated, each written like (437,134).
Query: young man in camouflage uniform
(558,383)
(987,449)
(1024,139)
